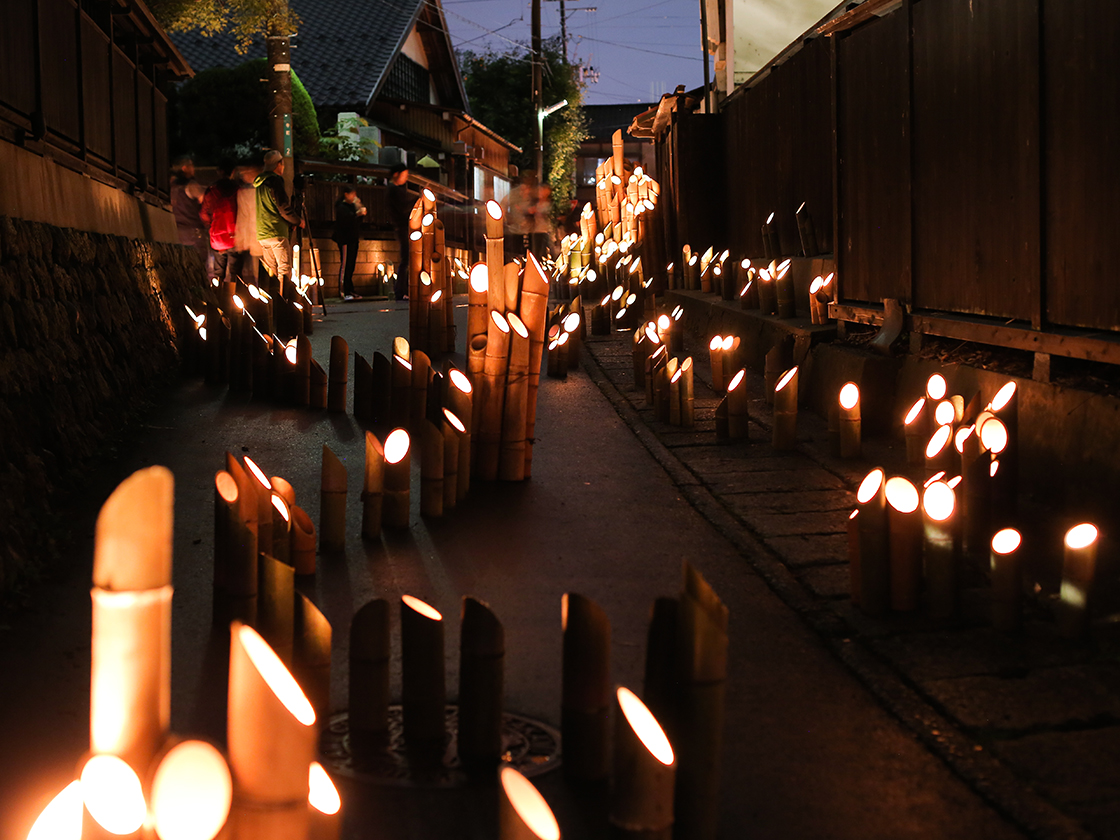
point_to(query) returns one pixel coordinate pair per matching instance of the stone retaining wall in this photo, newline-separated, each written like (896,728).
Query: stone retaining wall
(88,324)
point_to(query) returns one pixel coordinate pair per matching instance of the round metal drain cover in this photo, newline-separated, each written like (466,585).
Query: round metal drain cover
(528,745)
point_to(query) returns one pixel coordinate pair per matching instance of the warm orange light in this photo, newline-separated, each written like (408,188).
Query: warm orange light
(500,320)
(936,387)
(290,354)
(480,278)
(937,476)
(676,376)
(1003,396)
(427,220)
(563,339)
(112,794)
(529,805)
(789,374)
(425,278)
(938,501)
(853,514)
(428,194)
(62,818)
(459,380)
(426,610)
(571,323)
(678,313)
(226,487)
(1006,541)
(454,421)
(944,414)
(645,726)
(238,302)
(276,675)
(961,436)
(616,293)
(993,469)
(494,210)
(322,795)
(849,396)
(437,295)
(737,381)
(770,218)
(191,792)
(396,446)
(901,494)
(664,322)
(815,286)
(631,299)
(716,343)
(281,507)
(870,485)
(415,236)
(258,474)
(1081,536)
(939,441)
(517,325)
(686,364)
(728,342)
(993,434)
(954,481)
(914,411)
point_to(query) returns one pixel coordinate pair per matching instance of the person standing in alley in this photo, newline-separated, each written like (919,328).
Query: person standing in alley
(219,211)
(348,213)
(186,204)
(247,252)
(275,219)
(400,206)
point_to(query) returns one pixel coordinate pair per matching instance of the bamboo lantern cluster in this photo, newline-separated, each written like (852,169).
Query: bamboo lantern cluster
(821,292)
(140,778)
(431,277)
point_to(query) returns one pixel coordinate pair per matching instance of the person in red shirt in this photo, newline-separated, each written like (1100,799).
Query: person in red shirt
(219,211)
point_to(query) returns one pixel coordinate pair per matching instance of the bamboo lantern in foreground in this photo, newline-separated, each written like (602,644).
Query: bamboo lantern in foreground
(332,504)
(61,819)
(494,393)
(113,797)
(235,555)
(431,468)
(398,477)
(522,812)
(302,548)
(324,805)
(1007,580)
(272,740)
(644,773)
(914,426)
(422,681)
(373,487)
(687,394)
(130,667)
(481,681)
(941,549)
(586,693)
(874,546)
(785,411)
(370,653)
(1079,569)
(737,404)
(905,529)
(477,314)
(311,655)
(339,373)
(849,421)
(191,792)
(283,488)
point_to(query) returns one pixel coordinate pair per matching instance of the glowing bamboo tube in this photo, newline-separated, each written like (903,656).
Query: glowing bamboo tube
(1007,580)
(418,393)
(401,386)
(644,773)
(1005,405)
(113,796)
(692,273)
(572,325)
(1079,569)
(815,304)
(905,528)
(275,605)
(61,819)
(654,365)
(191,792)
(936,387)
(397,500)
(281,529)
(437,322)
(939,450)
(431,468)
(422,677)
(494,378)
(783,290)
(235,556)
(941,549)
(849,421)
(778,359)
(675,382)
(130,668)
(785,411)
(767,292)
(557,353)
(283,488)
(663,390)
(533,313)
(874,547)
(477,301)
(945,413)
(461,404)
(481,681)
(586,693)
(311,655)
(976,495)
(339,374)
(324,805)
(769,239)
(495,257)
(854,573)
(332,503)
(737,416)
(715,358)
(373,487)
(644,343)
(914,426)
(302,548)
(523,813)
(272,738)
(511,463)
(688,402)
(453,429)
(370,653)
(261,495)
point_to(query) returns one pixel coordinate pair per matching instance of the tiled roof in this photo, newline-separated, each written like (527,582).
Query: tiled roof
(342,50)
(603,120)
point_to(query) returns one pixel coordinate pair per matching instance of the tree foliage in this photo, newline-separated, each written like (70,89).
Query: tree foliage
(499,86)
(245,19)
(223,112)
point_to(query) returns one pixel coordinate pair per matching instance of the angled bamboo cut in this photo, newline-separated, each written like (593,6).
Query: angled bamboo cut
(332,504)
(370,652)
(373,487)
(586,693)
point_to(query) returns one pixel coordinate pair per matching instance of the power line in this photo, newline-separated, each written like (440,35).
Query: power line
(639,49)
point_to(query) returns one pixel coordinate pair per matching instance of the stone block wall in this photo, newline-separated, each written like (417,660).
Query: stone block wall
(88,326)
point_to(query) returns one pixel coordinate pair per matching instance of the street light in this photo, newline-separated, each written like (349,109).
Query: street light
(541,114)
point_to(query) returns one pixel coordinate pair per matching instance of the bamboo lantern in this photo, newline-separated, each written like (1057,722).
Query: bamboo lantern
(905,529)
(976,464)
(272,740)
(644,344)
(816,305)
(663,391)
(534,308)
(61,819)
(783,283)
(914,427)
(523,813)
(660,690)
(495,257)
(275,604)
(301,371)
(130,668)
(431,468)
(339,373)
(281,529)
(692,273)
(826,293)
(675,382)
(654,364)
(1005,405)
(715,357)
(494,393)
(936,387)
(939,450)
(460,398)
(853,557)
(260,489)
(302,548)
(778,359)
(398,477)
(1079,569)
(644,773)
(191,792)
(311,655)
(113,797)
(418,387)
(1007,580)
(324,805)
(453,432)
(571,324)
(381,389)
(806,231)
(235,556)
(874,546)
(731,346)
(422,680)
(941,549)
(995,438)
(437,322)
(318,387)
(370,654)
(770,239)
(849,421)
(586,693)
(511,461)
(945,413)
(400,398)
(688,402)
(558,355)
(283,488)
(737,405)
(332,503)
(481,678)
(785,411)
(477,312)
(676,331)
(373,487)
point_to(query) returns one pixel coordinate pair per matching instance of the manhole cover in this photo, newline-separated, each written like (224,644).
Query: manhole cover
(528,745)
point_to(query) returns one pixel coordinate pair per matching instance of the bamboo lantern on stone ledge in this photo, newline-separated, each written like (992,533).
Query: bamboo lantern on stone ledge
(849,421)
(914,426)
(737,407)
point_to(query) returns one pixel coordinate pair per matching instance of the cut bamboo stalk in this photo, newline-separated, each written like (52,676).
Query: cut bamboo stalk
(431,468)
(437,323)
(816,306)
(511,463)
(914,429)
(939,453)
(283,488)
(715,361)
(849,421)
(660,688)
(381,398)
(262,357)
(477,313)
(511,280)
(453,429)
(398,477)
(783,290)
(874,546)
(311,657)
(191,792)
(235,556)
(688,402)
(661,395)
(533,313)
(281,529)
(130,663)
(276,604)
(332,505)
(806,231)
(785,411)
(770,247)
(418,393)
(261,489)
(246,495)
(339,374)
(675,397)
(317,394)
(363,390)
(423,693)
(853,558)
(301,372)
(272,740)
(495,258)
(494,377)
(586,694)
(1079,570)
(654,365)
(558,355)
(644,773)
(738,417)
(373,487)
(904,523)
(302,547)
(1007,580)
(481,682)
(401,394)
(941,550)
(324,805)
(644,343)
(523,813)
(572,325)
(767,292)
(370,653)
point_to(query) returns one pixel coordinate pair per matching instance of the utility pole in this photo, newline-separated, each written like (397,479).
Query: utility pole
(704,53)
(279,55)
(564,31)
(538,103)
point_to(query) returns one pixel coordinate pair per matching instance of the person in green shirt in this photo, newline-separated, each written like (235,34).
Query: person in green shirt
(275,218)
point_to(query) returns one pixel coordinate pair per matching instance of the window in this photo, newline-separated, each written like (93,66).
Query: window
(408,81)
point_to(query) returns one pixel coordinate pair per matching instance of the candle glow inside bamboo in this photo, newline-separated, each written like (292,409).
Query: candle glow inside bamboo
(645,726)
(529,805)
(112,794)
(322,794)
